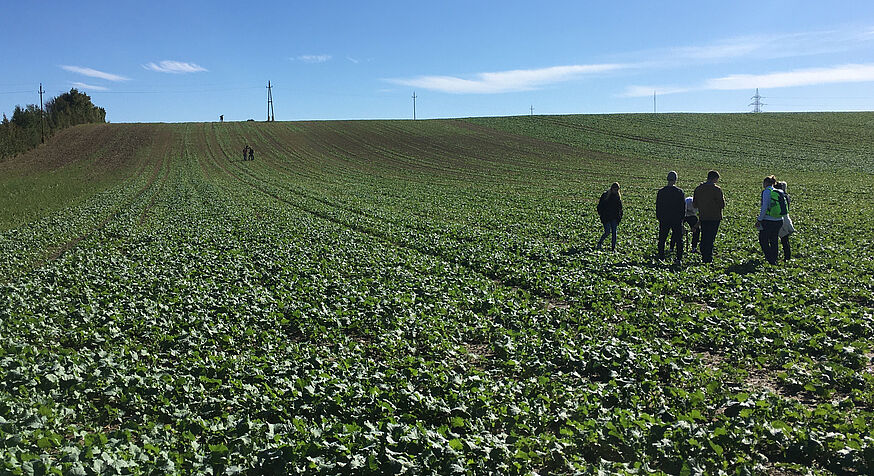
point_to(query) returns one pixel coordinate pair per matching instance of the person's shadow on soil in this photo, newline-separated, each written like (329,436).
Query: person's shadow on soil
(747,267)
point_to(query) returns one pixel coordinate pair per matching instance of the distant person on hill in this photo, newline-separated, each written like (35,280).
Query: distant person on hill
(670,211)
(771,212)
(251,153)
(245,152)
(691,219)
(788,228)
(710,202)
(610,211)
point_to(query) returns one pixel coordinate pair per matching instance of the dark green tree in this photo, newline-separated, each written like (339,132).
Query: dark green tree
(23,131)
(72,108)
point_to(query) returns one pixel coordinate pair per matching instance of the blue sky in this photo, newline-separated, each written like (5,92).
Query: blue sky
(172,61)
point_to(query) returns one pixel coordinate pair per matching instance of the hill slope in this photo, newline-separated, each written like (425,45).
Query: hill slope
(424,297)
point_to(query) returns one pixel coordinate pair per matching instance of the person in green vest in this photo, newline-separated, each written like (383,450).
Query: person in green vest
(788,228)
(771,212)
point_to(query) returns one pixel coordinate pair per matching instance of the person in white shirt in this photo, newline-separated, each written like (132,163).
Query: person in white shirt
(692,219)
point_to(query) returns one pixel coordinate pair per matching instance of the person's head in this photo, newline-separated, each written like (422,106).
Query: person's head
(614,188)
(769,181)
(672,177)
(780,185)
(713,176)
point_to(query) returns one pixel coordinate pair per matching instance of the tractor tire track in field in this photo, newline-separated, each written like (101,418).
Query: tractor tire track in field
(282,169)
(549,302)
(375,230)
(114,213)
(165,165)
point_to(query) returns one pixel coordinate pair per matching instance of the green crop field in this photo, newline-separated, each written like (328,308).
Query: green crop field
(424,297)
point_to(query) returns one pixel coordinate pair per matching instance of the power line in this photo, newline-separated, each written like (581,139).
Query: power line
(757,102)
(177,91)
(42,118)
(270,114)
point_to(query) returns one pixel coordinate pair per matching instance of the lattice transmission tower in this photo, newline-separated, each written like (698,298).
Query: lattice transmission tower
(270,115)
(757,102)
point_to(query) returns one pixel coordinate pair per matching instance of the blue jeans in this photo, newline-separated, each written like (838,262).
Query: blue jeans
(609,228)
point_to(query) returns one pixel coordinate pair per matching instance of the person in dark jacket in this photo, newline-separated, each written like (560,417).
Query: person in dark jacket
(710,202)
(670,211)
(251,153)
(610,211)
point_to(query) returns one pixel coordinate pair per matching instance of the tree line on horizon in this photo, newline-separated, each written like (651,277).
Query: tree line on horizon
(23,131)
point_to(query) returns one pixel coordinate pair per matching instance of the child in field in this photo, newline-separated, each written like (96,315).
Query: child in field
(610,211)
(692,219)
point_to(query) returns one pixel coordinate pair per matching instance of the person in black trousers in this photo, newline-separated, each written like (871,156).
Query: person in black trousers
(770,219)
(670,211)
(787,228)
(610,211)
(710,202)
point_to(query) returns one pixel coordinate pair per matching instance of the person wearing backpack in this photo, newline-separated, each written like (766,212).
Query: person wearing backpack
(670,211)
(610,211)
(788,228)
(771,212)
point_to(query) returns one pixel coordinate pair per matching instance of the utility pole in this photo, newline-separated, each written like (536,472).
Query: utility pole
(532,109)
(653,102)
(270,114)
(414,105)
(42,118)
(757,102)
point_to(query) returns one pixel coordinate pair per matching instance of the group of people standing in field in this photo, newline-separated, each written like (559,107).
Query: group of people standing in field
(248,153)
(703,213)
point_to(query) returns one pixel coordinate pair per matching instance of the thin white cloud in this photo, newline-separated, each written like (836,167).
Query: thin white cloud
(314,58)
(725,49)
(757,47)
(91,87)
(174,67)
(353,60)
(849,73)
(93,73)
(506,81)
